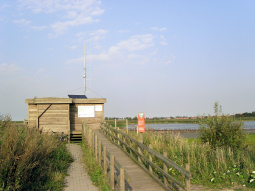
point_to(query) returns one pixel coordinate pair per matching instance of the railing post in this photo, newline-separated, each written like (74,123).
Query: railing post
(165,169)
(118,136)
(89,138)
(150,159)
(112,172)
(187,179)
(93,140)
(105,161)
(115,123)
(96,146)
(140,139)
(86,132)
(122,179)
(127,125)
(100,153)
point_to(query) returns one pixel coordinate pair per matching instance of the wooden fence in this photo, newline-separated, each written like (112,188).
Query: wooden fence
(150,160)
(117,176)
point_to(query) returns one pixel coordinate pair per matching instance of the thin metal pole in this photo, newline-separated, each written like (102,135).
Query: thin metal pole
(84,76)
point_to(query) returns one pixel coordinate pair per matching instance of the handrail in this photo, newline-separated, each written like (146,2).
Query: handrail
(118,177)
(114,135)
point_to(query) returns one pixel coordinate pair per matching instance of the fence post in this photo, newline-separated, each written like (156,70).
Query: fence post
(100,153)
(115,123)
(86,132)
(118,136)
(150,159)
(89,138)
(187,179)
(112,172)
(122,180)
(127,125)
(93,140)
(165,169)
(140,139)
(105,161)
(96,146)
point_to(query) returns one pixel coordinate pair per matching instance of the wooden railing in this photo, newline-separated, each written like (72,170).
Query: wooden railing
(150,160)
(117,176)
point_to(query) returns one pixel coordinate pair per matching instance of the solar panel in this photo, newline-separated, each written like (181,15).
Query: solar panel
(78,96)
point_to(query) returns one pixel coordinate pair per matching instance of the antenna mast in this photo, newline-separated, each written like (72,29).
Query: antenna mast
(84,76)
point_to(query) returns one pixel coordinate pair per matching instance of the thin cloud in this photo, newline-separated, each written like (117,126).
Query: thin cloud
(126,48)
(9,68)
(158,29)
(68,13)
(22,21)
(61,27)
(39,28)
(136,43)
(97,35)
(163,40)
(123,31)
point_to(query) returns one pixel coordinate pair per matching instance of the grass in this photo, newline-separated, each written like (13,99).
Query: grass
(215,168)
(251,139)
(30,160)
(94,170)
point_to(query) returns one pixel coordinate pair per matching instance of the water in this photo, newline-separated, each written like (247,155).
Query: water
(182,126)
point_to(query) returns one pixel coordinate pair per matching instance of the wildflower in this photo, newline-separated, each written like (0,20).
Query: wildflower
(244,185)
(238,174)
(212,179)
(214,172)
(228,171)
(253,172)
(234,166)
(251,180)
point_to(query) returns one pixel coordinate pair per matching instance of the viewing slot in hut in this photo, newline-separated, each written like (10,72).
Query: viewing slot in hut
(65,114)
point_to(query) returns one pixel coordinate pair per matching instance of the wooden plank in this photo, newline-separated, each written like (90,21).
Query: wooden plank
(53,123)
(48,100)
(54,111)
(56,115)
(53,106)
(55,128)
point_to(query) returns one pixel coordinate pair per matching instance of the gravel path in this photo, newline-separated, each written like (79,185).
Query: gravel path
(78,179)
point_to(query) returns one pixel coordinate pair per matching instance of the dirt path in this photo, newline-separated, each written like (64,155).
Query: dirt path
(78,179)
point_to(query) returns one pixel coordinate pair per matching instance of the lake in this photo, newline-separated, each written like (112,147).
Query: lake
(183,126)
(249,125)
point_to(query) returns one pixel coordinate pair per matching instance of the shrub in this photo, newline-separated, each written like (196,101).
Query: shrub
(222,131)
(30,160)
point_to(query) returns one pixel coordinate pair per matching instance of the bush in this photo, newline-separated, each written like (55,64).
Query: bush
(30,160)
(222,131)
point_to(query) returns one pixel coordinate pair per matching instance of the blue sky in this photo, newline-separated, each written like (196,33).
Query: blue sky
(163,58)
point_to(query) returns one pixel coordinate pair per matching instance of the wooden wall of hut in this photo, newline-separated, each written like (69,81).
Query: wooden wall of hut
(61,114)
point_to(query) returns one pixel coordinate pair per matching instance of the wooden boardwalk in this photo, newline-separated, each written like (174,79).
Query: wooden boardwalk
(139,179)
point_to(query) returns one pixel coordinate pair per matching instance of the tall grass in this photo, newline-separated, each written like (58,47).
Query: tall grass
(31,160)
(215,167)
(94,170)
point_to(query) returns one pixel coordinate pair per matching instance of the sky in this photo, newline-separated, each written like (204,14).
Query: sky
(164,58)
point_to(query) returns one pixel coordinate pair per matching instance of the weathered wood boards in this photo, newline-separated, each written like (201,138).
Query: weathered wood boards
(62,114)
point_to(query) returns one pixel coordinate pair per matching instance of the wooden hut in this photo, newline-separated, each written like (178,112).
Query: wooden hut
(65,114)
